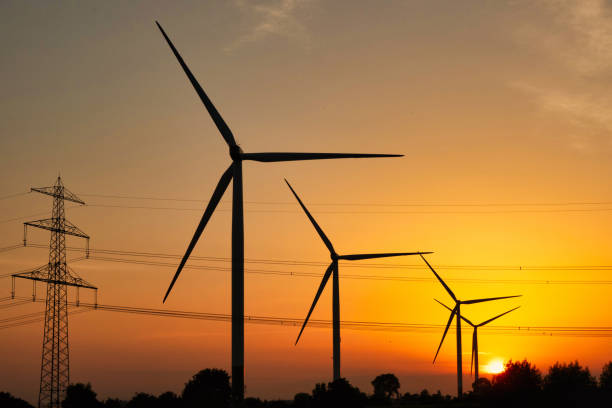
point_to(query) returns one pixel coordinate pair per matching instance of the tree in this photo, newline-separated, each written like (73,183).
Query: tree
(210,387)
(339,393)
(605,379)
(519,383)
(386,385)
(302,400)
(8,401)
(251,402)
(569,384)
(80,396)
(169,399)
(113,403)
(142,400)
(482,386)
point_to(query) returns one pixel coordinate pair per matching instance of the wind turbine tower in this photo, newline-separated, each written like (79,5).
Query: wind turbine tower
(234,174)
(55,368)
(474,360)
(332,270)
(456,311)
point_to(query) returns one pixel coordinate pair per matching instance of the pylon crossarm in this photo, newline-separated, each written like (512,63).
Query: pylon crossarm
(64,193)
(42,275)
(50,224)
(61,282)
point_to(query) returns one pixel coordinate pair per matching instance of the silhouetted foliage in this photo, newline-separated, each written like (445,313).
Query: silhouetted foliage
(482,387)
(569,385)
(8,401)
(302,400)
(605,378)
(425,398)
(169,399)
(80,396)
(338,393)
(142,400)
(251,402)
(276,404)
(386,386)
(210,387)
(114,403)
(520,383)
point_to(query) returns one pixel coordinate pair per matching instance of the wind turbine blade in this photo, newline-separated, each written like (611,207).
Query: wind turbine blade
(216,117)
(450,292)
(497,317)
(473,351)
(469,302)
(212,204)
(449,309)
(462,318)
(326,276)
(450,320)
(326,240)
(372,256)
(280,157)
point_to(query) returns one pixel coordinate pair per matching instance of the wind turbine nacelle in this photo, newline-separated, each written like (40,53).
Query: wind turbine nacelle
(235,152)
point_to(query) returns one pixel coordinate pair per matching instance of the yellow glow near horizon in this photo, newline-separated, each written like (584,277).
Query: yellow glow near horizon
(495,366)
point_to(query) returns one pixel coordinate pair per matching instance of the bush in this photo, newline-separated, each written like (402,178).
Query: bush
(8,401)
(386,385)
(210,387)
(569,385)
(80,396)
(520,383)
(339,393)
(605,379)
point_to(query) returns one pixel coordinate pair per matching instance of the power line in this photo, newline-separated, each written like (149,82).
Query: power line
(14,195)
(10,247)
(581,331)
(363,277)
(271,272)
(24,322)
(32,215)
(568,210)
(487,204)
(277,211)
(293,262)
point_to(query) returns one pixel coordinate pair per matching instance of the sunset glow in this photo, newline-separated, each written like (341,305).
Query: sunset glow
(502,110)
(495,366)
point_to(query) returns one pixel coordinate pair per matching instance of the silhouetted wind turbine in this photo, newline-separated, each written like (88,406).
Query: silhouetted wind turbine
(474,359)
(234,172)
(332,270)
(457,311)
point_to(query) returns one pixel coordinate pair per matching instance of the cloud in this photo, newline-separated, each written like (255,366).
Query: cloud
(273,18)
(581,35)
(577,33)
(581,109)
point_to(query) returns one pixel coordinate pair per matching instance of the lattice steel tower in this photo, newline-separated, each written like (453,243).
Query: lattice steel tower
(55,368)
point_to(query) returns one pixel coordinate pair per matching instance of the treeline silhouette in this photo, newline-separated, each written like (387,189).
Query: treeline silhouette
(520,385)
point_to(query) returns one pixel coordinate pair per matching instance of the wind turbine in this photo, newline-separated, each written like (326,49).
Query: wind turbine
(332,270)
(474,360)
(457,311)
(234,172)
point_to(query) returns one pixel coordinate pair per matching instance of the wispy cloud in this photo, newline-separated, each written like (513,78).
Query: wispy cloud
(578,34)
(272,18)
(585,110)
(582,34)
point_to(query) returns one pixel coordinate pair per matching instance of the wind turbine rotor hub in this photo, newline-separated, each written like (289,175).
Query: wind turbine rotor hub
(235,152)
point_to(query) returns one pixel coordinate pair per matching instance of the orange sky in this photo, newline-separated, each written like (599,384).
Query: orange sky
(487,106)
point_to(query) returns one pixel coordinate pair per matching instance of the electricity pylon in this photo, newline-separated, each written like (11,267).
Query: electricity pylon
(55,370)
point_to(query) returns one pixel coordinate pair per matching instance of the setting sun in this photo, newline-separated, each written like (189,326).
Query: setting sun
(495,366)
